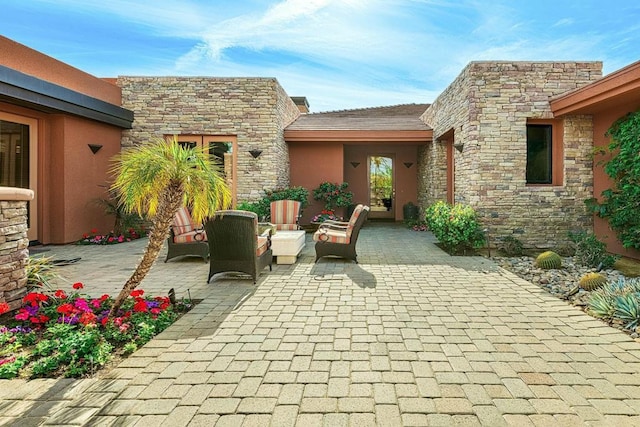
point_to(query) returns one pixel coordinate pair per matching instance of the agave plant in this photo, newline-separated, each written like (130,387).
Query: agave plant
(628,309)
(601,305)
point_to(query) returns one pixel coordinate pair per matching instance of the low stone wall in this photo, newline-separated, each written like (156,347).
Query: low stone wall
(14,244)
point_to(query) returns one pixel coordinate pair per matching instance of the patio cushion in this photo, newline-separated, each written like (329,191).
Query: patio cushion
(182,222)
(352,221)
(191,236)
(331,236)
(285,213)
(262,245)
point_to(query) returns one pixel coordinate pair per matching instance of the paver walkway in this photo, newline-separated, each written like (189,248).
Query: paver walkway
(408,337)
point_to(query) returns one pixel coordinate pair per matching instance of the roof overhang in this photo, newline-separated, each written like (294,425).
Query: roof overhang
(28,91)
(620,87)
(403,136)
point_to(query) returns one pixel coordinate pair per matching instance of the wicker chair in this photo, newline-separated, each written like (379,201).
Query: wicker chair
(285,214)
(234,244)
(186,238)
(335,238)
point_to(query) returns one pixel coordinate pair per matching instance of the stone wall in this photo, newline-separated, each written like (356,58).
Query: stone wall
(487,108)
(254,110)
(14,252)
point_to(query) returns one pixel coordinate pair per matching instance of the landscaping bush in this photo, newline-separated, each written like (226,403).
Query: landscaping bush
(590,251)
(456,227)
(262,207)
(333,195)
(511,246)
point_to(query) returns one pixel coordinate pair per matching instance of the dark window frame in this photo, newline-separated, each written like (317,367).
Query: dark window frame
(555,152)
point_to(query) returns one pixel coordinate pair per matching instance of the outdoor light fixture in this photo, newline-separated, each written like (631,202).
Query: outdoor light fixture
(255,153)
(355,164)
(95,147)
(459,146)
(408,164)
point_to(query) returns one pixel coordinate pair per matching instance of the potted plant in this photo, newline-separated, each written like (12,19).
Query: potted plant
(334,196)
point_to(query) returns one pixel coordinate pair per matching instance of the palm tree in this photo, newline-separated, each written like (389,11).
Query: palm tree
(156,179)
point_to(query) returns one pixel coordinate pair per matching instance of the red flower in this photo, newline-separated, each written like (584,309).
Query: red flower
(78,285)
(66,309)
(60,294)
(140,306)
(88,318)
(94,230)
(137,293)
(85,236)
(4,307)
(155,311)
(34,298)
(104,297)
(39,319)
(104,321)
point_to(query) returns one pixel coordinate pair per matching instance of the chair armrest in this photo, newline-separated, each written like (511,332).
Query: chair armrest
(338,223)
(267,233)
(338,226)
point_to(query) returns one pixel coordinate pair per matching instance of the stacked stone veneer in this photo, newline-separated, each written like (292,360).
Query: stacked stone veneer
(14,243)
(487,108)
(254,110)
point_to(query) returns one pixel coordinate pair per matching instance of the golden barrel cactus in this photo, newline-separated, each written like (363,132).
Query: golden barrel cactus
(549,260)
(592,281)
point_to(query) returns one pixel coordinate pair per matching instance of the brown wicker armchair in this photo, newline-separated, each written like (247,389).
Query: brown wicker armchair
(335,238)
(186,238)
(234,244)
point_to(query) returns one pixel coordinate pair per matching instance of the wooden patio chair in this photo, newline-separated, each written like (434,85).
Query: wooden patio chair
(285,214)
(335,238)
(186,238)
(236,246)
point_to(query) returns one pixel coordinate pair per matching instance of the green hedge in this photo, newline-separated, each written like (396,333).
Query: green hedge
(456,227)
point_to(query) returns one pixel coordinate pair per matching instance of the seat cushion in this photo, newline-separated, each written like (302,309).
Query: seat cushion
(190,237)
(262,245)
(182,222)
(354,218)
(331,236)
(284,213)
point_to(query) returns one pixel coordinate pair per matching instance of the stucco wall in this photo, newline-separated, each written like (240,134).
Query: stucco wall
(255,110)
(487,108)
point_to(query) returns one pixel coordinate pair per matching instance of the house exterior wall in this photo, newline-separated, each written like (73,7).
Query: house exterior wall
(486,109)
(254,110)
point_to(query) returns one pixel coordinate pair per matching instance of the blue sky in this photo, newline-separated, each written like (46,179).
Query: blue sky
(340,54)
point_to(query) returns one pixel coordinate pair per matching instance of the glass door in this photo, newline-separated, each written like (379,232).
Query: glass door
(223,148)
(18,160)
(381,187)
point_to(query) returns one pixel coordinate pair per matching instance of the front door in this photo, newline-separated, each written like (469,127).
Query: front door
(381,187)
(18,161)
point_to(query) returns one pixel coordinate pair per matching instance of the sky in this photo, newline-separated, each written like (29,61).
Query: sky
(340,54)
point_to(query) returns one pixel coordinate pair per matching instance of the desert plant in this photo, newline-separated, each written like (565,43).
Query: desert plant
(549,260)
(592,281)
(456,227)
(617,300)
(157,178)
(590,251)
(511,246)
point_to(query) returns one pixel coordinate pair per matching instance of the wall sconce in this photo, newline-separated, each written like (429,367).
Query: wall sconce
(94,147)
(459,146)
(355,164)
(255,153)
(408,164)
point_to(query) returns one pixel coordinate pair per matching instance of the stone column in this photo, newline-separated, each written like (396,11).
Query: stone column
(14,244)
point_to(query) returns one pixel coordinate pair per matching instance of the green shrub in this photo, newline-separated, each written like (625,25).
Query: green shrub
(333,195)
(511,246)
(456,227)
(590,251)
(255,207)
(619,204)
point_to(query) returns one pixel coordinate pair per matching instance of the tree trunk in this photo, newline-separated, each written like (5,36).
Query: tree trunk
(169,204)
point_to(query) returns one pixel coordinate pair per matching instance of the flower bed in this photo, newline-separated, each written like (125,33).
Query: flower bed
(62,335)
(94,238)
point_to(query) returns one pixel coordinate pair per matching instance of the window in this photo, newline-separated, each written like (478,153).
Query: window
(539,158)
(544,154)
